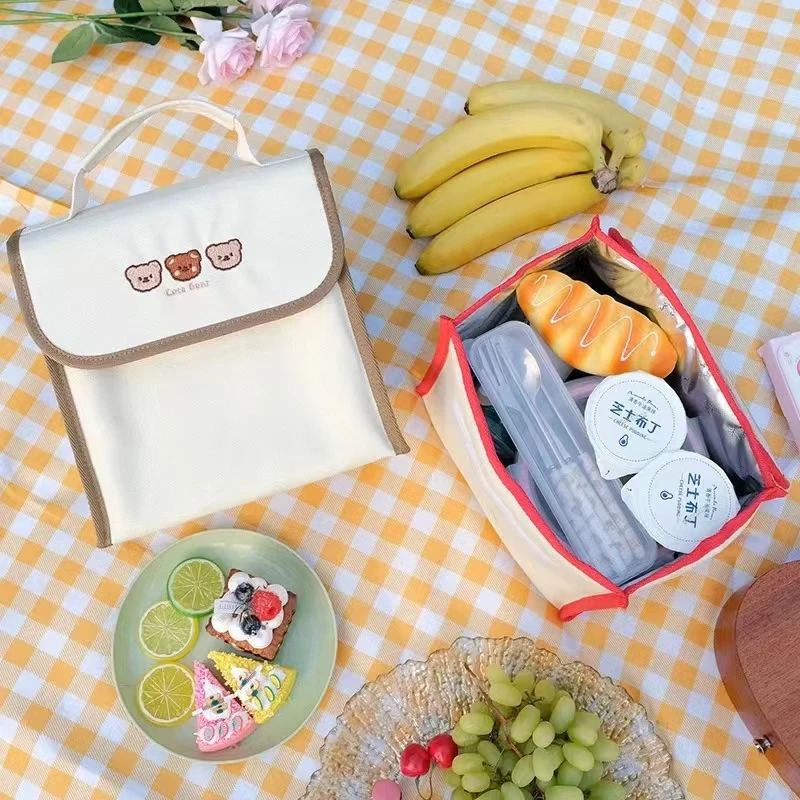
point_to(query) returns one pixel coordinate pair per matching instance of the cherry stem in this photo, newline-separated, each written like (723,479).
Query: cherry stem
(430,785)
(503,722)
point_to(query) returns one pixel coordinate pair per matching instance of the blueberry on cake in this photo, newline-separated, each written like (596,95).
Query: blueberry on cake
(252,615)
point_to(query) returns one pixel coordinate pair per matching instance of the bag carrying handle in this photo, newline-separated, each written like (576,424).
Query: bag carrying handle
(117,135)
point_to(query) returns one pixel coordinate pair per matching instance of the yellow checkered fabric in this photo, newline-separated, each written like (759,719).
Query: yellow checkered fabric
(409,559)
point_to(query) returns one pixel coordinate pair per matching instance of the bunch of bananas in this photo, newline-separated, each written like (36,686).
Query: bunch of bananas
(528,154)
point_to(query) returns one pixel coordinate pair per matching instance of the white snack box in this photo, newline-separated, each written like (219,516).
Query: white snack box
(782,359)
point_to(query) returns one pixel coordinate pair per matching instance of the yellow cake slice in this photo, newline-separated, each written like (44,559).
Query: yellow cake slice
(261,687)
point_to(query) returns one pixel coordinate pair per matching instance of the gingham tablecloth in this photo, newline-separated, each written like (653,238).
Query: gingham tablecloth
(409,559)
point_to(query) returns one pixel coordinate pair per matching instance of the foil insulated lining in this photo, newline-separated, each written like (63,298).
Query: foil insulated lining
(610,273)
(692,380)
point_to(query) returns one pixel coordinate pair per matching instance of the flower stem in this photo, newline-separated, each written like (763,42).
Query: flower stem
(32,14)
(135,14)
(36,17)
(30,20)
(162,31)
(75,17)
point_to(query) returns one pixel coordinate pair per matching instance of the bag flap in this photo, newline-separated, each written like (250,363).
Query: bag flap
(176,266)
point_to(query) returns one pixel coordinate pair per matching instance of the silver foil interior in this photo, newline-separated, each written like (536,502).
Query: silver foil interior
(610,273)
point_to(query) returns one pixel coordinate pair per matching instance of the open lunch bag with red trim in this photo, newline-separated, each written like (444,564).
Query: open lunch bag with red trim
(465,421)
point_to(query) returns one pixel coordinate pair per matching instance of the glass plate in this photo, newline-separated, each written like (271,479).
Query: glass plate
(419,699)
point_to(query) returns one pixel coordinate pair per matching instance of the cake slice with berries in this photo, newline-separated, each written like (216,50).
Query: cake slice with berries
(252,615)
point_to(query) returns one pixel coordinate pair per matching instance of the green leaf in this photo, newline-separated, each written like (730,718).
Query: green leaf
(113,34)
(188,5)
(105,38)
(205,14)
(74,45)
(126,6)
(190,44)
(156,5)
(165,25)
(148,37)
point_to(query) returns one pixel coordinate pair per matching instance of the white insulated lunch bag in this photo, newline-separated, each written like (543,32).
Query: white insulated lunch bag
(204,340)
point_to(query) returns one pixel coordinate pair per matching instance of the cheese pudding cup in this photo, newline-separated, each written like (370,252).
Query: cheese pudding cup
(681,499)
(631,420)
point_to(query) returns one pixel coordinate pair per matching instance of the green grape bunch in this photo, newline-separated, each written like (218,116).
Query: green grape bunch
(529,741)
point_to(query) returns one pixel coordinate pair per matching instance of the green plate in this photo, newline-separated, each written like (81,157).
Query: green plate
(314,621)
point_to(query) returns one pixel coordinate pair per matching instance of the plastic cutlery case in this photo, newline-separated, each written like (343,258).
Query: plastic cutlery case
(531,399)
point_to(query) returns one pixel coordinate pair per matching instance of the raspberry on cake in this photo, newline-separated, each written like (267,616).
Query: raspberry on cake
(252,615)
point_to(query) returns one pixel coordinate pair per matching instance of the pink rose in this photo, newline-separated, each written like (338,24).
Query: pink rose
(284,37)
(227,54)
(261,7)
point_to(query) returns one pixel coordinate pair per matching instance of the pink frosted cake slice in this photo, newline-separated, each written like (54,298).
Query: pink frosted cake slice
(221,720)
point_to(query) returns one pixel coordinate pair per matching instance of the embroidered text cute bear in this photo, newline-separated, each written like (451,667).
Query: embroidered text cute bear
(184,266)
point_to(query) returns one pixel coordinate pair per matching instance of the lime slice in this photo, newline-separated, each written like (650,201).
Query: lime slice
(166,635)
(194,585)
(166,694)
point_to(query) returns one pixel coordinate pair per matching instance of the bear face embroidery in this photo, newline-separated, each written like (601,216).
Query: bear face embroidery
(225,255)
(144,277)
(184,266)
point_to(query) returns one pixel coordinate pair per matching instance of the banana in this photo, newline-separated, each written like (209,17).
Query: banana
(624,133)
(488,180)
(632,172)
(500,130)
(515,214)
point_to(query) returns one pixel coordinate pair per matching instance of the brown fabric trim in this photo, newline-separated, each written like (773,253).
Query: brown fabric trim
(199,334)
(367,354)
(83,460)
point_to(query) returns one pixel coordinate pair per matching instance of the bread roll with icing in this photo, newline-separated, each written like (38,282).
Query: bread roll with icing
(590,331)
